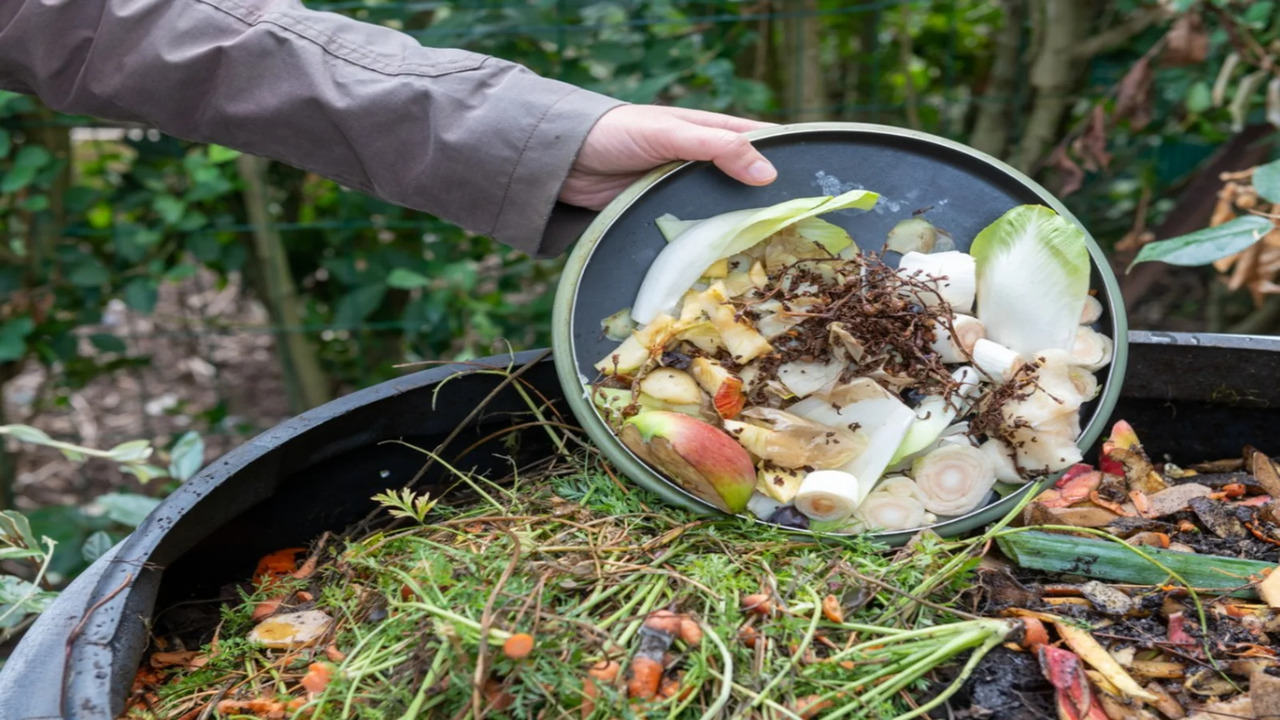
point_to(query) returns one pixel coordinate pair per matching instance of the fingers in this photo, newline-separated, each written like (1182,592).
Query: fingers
(717,120)
(729,150)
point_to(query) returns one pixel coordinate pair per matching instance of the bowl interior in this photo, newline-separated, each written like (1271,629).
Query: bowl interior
(953,186)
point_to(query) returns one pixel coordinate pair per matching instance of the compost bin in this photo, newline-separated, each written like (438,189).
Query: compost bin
(1191,396)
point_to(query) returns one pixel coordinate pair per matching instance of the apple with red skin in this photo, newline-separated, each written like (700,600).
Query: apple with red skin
(698,456)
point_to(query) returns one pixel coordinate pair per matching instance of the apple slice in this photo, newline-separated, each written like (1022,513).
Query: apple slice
(672,386)
(724,387)
(699,457)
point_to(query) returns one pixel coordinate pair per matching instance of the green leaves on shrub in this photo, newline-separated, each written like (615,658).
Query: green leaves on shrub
(1204,246)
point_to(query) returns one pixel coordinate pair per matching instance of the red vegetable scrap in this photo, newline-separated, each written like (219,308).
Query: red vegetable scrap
(1066,673)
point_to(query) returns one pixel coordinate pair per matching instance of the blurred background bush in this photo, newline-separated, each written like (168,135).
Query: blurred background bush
(151,287)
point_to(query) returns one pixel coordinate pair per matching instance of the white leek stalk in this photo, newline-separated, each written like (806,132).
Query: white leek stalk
(1033,277)
(951,274)
(1091,349)
(995,360)
(954,479)
(896,503)
(957,346)
(684,259)
(1092,310)
(827,495)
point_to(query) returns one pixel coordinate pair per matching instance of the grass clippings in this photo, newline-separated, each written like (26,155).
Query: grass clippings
(559,592)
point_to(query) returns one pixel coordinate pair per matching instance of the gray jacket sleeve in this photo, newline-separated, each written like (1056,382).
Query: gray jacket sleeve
(472,139)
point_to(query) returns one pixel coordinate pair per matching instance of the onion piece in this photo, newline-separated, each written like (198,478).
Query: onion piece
(912,235)
(807,378)
(793,441)
(1091,349)
(827,495)
(1092,310)
(951,274)
(954,479)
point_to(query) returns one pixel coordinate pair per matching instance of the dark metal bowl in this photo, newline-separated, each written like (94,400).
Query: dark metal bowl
(963,189)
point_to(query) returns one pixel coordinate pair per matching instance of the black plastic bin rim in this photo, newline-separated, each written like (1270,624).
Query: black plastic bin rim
(79,657)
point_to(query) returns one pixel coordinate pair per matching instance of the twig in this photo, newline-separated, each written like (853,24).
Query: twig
(486,620)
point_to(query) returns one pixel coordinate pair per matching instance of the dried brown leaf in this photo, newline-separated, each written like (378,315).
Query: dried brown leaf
(1186,43)
(1133,98)
(1072,174)
(1091,146)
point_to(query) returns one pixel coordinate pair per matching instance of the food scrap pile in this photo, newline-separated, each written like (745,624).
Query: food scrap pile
(768,366)
(561,592)
(1189,625)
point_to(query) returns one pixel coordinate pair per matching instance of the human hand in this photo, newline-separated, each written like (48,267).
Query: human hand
(630,140)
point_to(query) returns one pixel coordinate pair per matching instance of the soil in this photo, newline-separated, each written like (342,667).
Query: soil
(1006,685)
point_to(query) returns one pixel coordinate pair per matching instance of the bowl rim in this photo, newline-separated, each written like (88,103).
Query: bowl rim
(572,381)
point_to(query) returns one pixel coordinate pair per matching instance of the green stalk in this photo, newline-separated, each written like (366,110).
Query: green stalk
(726,687)
(955,685)
(418,699)
(654,588)
(494,633)
(903,676)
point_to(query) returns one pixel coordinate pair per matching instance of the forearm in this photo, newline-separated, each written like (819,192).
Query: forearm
(472,139)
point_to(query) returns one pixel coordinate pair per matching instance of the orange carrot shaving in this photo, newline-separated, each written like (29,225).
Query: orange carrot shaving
(690,631)
(831,609)
(758,603)
(1033,633)
(810,705)
(334,654)
(518,646)
(646,675)
(317,678)
(664,621)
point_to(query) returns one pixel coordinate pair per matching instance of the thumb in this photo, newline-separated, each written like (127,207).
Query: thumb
(728,150)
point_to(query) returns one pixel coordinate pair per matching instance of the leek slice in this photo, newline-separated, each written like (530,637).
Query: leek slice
(683,260)
(1033,276)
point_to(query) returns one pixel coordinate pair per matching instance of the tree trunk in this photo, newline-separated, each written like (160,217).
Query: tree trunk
(304,377)
(1055,72)
(995,109)
(801,57)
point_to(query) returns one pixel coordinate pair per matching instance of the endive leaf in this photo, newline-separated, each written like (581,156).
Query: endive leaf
(830,236)
(1033,275)
(684,259)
